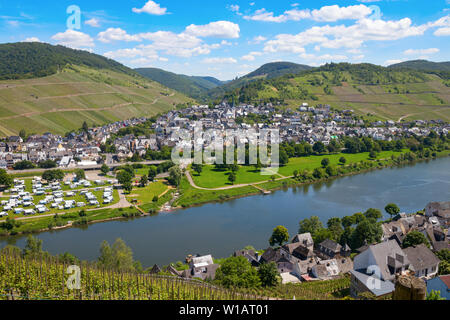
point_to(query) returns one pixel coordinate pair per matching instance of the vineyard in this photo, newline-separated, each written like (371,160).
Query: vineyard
(47,278)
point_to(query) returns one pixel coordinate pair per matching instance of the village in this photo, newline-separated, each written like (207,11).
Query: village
(86,149)
(373,268)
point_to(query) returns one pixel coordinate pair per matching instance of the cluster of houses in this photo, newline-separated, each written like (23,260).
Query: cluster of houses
(375,267)
(306,123)
(309,124)
(51,196)
(73,150)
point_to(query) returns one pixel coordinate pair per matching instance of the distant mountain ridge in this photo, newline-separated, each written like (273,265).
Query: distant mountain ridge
(423,65)
(193,86)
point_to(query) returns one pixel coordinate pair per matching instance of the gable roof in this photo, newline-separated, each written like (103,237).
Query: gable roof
(421,257)
(385,250)
(331,245)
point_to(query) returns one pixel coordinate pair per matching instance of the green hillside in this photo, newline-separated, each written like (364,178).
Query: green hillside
(380,92)
(86,88)
(267,71)
(195,87)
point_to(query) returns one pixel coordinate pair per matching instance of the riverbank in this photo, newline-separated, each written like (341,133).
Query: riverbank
(190,197)
(193,197)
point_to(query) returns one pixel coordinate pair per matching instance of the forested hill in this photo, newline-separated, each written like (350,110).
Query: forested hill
(267,71)
(195,87)
(423,65)
(25,60)
(370,90)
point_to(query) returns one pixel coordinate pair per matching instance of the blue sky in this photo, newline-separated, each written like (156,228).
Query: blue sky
(226,39)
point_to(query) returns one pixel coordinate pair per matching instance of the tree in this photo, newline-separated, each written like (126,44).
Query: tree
(198,168)
(444,256)
(47,164)
(124,177)
(237,272)
(152,173)
(144,181)
(319,147)
(85,127)
(374,214)
(335,227)
(104,169)
(118,257)
(53,175)
(23,165)
(128,187)
(33,247)
(280,235)
(5,179)
(22,134)
(415,238)
(325,162)
(175,176)
(80,174)
(373,155)
(392,209)
(232,178)
(311,225)
(318,173)
(268,274)
(366,232)
(283,158)
(342,160)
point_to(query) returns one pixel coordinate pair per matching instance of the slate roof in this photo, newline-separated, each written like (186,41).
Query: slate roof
(421,257)
(332,245)
(385,287)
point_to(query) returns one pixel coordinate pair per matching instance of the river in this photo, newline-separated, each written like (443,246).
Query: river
(221,228)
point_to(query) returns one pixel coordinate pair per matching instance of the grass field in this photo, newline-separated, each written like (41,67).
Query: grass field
(211,178)
(61,102)
(146,195)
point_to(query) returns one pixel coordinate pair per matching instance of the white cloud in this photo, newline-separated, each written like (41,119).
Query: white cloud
(219,60)
(442,32)
(391,62)
(341,36)
(116,34)
(32,39)
(251,56)
(335,13)
(326,13)
(218,29)
(151,7)
(74,39)
(94,22)
(325,57)
(421,51)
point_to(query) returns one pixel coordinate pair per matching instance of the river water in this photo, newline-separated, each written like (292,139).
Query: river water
(221,228)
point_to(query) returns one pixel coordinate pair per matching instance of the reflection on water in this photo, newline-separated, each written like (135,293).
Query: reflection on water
(222,228)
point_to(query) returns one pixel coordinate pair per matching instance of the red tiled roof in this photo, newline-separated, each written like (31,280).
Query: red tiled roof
(446,280)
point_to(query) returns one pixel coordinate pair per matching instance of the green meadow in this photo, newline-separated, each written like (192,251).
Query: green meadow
(212,178)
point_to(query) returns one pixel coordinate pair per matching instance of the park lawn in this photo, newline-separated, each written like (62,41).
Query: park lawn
(212,178)
(191,196)
(313,162)
(146,195)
